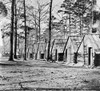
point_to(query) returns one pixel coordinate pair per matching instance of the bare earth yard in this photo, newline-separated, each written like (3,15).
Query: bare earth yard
(45,75)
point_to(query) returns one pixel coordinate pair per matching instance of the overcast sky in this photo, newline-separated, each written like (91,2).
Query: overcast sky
(98,3)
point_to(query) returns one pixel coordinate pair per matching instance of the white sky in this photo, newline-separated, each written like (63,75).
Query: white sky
(98,3)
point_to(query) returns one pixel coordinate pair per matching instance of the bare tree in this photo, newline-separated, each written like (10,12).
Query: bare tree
(38,17)
(49,42)
(15,45)
(25,29)
(12,31)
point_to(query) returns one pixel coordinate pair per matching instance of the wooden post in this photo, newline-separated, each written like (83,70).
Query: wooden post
(65,56)
(39,54)
(85,53)
(92,60)
(68,55)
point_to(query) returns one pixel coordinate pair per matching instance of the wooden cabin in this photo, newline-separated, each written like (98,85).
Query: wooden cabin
(90,47)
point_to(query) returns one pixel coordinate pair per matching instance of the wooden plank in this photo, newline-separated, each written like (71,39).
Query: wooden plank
(66,44)
(80,44)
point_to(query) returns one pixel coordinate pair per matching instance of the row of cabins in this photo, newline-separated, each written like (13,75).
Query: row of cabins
(74,49)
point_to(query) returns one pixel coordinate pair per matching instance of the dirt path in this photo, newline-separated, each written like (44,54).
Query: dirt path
(40,74)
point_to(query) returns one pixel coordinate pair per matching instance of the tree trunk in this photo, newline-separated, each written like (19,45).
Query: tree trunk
(80,25)
(39,25)
(15,48)
(25,56)
(38,44)
(36,35)
(12,31)
(49,42)
(69,24)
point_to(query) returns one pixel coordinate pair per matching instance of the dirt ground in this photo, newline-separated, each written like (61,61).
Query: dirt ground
(36,75)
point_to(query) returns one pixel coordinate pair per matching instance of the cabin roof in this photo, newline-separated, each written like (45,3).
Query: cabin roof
(93,41)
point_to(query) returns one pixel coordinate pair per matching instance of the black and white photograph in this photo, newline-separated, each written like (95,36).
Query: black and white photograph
(49,45)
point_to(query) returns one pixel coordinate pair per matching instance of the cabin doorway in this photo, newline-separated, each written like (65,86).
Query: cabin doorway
(89,55)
